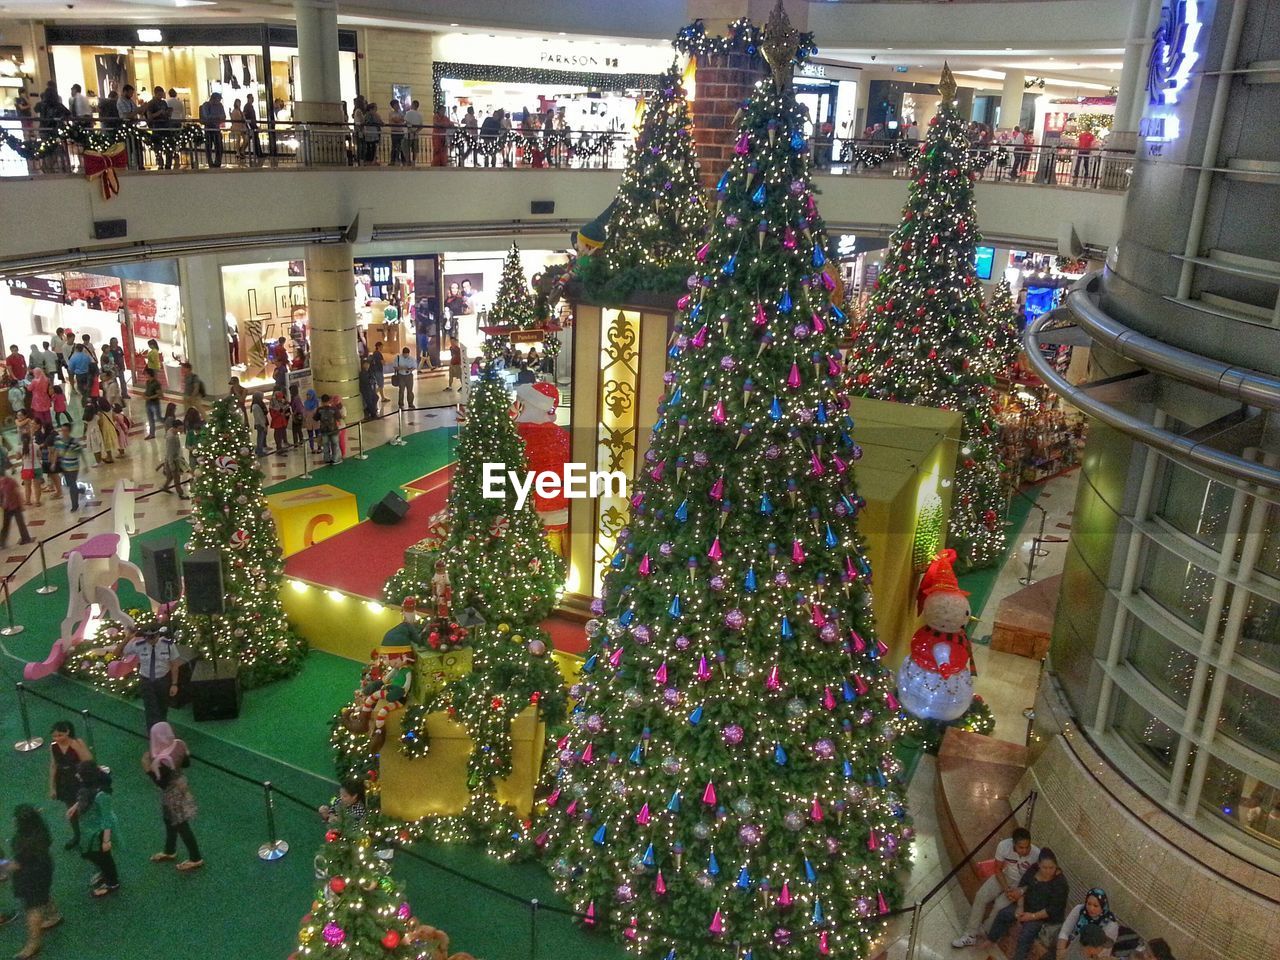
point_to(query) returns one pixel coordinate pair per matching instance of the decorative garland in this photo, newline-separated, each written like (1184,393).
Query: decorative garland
(187,137)
(743,37)
(872,157)
(593,145)
(500,73)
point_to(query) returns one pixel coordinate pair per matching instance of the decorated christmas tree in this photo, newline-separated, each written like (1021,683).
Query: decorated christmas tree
(924,340)
(359,911)
(729,782)
(231,516)
(1002,321)
(660,213)
(513,305)
(497,562)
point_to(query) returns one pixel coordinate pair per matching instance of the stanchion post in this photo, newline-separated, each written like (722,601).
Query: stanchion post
(13,629)
(915,930)
(533,929)
(46,587)
(1031,808)
(87,717)
(398,439)
(360,440)
(1039,539)
(306,462)
(28,742)
(273,849)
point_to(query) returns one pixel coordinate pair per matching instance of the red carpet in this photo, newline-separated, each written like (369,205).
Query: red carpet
(360,560)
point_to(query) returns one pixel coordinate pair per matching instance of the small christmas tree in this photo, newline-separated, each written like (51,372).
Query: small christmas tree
(513,305)
(660,212)
(729,783)
(231,516)
(498,563)
(924,341)
(359,912)
(1002,321)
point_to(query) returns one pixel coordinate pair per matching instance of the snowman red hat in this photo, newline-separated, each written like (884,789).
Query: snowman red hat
(539,400)
(939,578)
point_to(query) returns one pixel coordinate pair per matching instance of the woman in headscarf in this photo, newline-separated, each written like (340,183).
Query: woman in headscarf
(1093,912)
(164,763)
(310,405)
(97,825)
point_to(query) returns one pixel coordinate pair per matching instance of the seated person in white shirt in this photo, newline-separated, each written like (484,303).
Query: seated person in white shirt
(1015,855)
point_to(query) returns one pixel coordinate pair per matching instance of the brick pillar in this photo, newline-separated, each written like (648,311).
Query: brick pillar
(723,83)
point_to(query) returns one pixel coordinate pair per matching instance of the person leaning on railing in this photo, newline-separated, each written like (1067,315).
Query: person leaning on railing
(212,116)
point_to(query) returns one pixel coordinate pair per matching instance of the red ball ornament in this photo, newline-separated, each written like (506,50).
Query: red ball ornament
(920,182)
(337,884)
(331,836)
(932,291)
(933,354)
(391,940)
(920,311)
(933,121)
(935,240)
(970,464)
(902,268)
(953,172)
(496,703)
(915,329)
(989,519)
(906,246)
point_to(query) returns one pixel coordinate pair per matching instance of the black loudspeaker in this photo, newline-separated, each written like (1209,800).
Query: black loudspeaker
(202,581)
(109,229)
(542,206)
(215,690)
(162,571)
(390,509)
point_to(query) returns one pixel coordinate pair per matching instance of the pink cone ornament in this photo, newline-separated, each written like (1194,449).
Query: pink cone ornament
(891,702)
(828,699)
(656,471)
(685,299)
(646,566)
(827,283)
(715,553)
(541,839)
(839,464)
(797,552)
(588,754)
(615,658)
(660,675)
(718,415)
(824,948)
(743,146)
(704,668)
(630,932)
(815,812)
(873,842)
(881,905)
(815,466)
(817,324)
(793,378)
(572,809)
(860,685)
(562,745)
(859,644)
(789,239)
(833,366)
(700,338)
(774,680)
(659,884)
(881,649)
(717,489)
(717,925)
(701,255)
(553,797)
(784,897)
(642,817)
(709,794)
(819,619)
(761,319)
(589,920)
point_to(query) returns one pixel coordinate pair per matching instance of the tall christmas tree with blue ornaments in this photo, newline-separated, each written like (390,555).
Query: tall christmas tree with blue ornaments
(729,780)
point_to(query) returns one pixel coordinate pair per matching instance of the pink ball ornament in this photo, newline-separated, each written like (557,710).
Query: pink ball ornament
(669,377)
(716,583)
(683,642)
(735,619)
(824,749)
(731,220)
(732,734)
(404,912)
(537,648)
(782,937)
(671,696)
(700,458)
(595,723)
(801,331)
(728,363)
(334,935)
(749,835)
(829,633)
(793,820)
(797,187)
(671,765)
(666,548)
(833,846)
(772,452)
(597,606)
(623,893)
(641,634)
(568,758)
(862,907)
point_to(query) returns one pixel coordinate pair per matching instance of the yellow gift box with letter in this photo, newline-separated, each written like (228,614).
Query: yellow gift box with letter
(307,516)
(433,671)
(436,784)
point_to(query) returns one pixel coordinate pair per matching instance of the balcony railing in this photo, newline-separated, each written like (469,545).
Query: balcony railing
(25,152)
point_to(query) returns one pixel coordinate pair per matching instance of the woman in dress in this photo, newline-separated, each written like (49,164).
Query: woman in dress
(32,869)
(164,763)
(239,129)
(98,826)
(66,753)
(41,397)
(27,428)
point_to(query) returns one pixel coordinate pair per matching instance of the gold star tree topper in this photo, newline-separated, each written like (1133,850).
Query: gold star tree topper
(779,47)
(947,85)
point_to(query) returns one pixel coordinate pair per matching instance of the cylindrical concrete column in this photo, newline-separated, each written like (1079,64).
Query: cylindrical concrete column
(332,311)
(1011,98)
(205,343)
(318,50)
(1131,65)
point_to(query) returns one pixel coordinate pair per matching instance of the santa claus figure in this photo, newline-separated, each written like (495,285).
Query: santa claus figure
(547,450)
(935,682)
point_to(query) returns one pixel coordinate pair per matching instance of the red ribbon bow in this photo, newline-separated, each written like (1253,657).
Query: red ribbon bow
(102,164)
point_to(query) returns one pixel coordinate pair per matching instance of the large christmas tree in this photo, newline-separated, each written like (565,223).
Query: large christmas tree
(359,912)
(499,563)
(660,213)
(924,340)
(231,516)
(513,304)
(730,778)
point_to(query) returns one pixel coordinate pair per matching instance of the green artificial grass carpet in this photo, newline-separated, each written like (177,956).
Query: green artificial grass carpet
(239,908)
(980,583)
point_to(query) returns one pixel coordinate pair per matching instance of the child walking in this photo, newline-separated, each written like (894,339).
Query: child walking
(173,464)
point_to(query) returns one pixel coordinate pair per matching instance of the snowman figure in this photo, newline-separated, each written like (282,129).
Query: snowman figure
(935,682)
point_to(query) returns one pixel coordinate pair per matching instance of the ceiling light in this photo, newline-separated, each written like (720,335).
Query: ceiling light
(1008,48)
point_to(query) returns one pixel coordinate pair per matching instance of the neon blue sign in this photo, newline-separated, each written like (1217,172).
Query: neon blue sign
(1173,52)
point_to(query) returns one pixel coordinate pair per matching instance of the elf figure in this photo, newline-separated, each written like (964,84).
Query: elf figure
(441,590)
(935,682)
(386,689)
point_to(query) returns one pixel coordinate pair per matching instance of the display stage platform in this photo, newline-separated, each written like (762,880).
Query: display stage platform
(334,596)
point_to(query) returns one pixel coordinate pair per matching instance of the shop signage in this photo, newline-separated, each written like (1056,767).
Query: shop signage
(1173,51)
(584,55)
(811,69)
(527,336)
(38,288)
